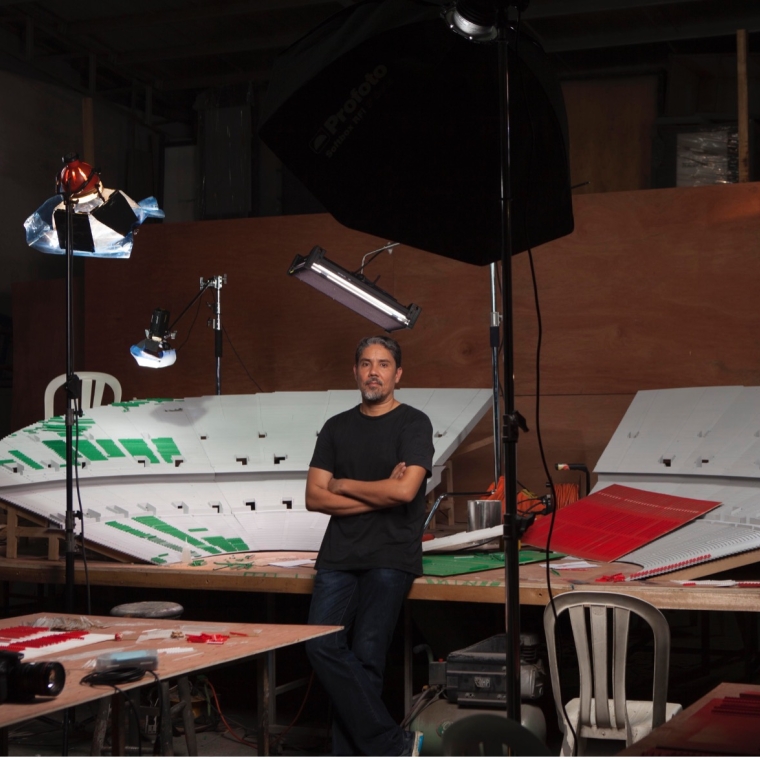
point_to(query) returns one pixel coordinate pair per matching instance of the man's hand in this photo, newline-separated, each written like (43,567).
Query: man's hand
(399,488)
(320,496)
(398,471)
(343,497)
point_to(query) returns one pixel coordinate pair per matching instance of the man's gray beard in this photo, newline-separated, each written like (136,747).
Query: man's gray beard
(375,395)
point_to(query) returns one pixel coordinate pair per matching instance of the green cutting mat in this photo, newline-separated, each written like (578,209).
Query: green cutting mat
(458,564)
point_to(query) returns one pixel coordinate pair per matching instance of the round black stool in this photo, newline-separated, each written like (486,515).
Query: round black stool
(156,610)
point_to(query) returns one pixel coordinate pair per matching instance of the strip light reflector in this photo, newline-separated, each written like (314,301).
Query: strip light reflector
(353,291)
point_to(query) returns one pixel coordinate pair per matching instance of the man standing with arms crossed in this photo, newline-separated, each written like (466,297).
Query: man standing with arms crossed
(368,473)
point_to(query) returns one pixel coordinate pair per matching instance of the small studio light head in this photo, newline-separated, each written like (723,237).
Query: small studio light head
(77,179)
(155,350)
(478,20)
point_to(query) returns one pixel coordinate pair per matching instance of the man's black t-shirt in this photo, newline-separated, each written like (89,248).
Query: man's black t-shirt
(359,447)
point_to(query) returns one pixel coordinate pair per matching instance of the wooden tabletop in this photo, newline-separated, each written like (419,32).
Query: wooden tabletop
(254,572)
(671,735)
(248,640)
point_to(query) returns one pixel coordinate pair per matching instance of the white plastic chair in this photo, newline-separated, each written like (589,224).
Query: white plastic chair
(595,713)
(93,385)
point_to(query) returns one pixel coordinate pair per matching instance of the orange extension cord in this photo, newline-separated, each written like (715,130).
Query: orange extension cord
(528,502)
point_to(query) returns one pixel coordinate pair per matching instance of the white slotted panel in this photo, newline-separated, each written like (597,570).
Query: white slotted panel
(200,453)
(712,438)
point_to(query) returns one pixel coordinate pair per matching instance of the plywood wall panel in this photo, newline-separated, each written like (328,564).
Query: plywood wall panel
(654,289)
(603,115)
(39,343)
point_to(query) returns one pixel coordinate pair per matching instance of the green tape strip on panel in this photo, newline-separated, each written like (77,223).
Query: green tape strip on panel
(139,402)
(57,426)
(137,447)
(110,447)
(189,530)
(228,544)
(54,425)
(59,447)
(140,534)
(89,450)
(163,527)
(166,448)
(25,459)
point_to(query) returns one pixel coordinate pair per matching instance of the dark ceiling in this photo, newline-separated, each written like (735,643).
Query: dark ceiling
(157,56)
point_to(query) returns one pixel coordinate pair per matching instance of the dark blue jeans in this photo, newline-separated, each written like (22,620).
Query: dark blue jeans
(350,663)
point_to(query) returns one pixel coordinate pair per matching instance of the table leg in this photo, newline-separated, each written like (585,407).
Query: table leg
(188,719)
(119,723)
(262,704)
(101,725)
(165,740)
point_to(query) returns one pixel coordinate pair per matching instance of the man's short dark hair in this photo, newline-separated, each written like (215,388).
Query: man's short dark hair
(379,340)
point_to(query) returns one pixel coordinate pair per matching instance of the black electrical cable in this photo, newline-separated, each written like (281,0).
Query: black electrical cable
(189,329)
(114,676)
(539,437)
(234,350)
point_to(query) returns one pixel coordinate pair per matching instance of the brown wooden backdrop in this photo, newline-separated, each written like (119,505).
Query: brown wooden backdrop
(655,288)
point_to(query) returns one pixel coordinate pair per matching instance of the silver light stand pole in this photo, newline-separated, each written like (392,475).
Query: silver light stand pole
(216,323)
(495,337)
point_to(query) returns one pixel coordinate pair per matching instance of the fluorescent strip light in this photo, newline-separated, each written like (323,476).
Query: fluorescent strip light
(353,291)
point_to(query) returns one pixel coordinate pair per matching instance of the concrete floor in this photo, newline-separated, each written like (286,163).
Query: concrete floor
(44,737)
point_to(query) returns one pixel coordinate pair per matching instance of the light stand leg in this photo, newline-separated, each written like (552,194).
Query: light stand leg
(511,417)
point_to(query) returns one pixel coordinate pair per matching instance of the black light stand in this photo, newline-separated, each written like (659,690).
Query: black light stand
(483,21)
(157,336)
(513,420)
(73,392)
(72,181)
(215,322)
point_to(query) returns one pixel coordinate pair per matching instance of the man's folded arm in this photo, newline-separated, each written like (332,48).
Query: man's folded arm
(400,488)
(320,499)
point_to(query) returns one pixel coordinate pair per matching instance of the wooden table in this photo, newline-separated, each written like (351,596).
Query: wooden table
(253,573)
(671,734)
(256,641)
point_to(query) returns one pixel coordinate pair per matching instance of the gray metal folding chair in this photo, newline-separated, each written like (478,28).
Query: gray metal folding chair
(596,713)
